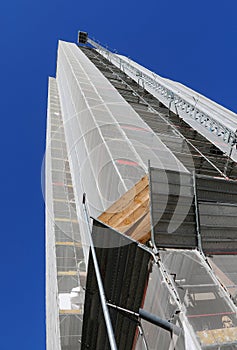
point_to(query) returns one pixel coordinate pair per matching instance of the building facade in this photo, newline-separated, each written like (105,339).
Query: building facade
(142,171)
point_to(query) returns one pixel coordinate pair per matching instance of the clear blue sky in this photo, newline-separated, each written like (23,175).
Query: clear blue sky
(190,41)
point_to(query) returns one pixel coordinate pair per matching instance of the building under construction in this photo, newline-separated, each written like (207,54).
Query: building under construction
(141,209)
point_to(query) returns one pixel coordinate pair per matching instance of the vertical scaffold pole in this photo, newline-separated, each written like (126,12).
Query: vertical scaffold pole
(108,323)
(199,239)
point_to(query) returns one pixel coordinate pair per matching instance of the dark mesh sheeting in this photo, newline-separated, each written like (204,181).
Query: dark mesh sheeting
(172,209)
(217,200)
(124,268)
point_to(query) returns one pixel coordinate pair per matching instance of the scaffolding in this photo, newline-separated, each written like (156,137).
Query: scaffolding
(159,173)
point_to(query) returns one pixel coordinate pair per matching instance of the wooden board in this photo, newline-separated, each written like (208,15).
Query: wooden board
(218,336)
(130,214)
(70,312)
(68,243)
(67,273)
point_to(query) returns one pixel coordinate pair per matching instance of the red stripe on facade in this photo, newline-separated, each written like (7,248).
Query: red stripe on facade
(134,128)
(126,162)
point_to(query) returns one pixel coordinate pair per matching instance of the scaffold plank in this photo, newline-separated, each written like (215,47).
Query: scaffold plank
(67,220)
(125,204)
(67,273)
(71,312)
(130,214)
(218,336)
(68,243)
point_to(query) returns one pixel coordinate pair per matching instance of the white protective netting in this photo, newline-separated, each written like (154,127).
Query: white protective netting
(109,145)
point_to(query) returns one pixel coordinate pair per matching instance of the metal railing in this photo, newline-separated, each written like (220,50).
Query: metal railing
(172,99)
